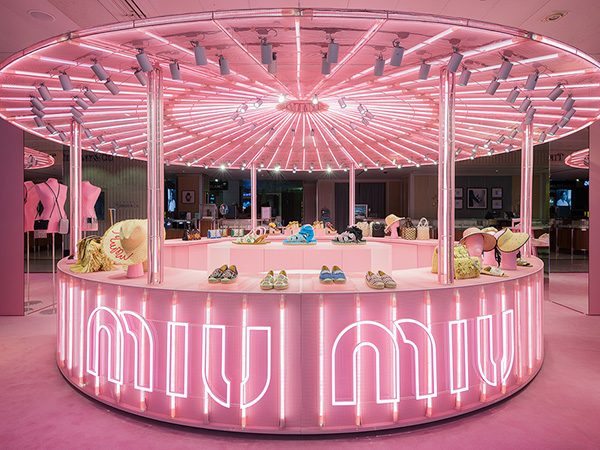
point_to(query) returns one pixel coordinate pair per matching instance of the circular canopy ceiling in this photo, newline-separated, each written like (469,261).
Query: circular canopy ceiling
(293,114)
(579,160)
(33,159)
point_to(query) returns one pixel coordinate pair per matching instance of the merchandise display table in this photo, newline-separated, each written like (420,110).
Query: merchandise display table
(310,359)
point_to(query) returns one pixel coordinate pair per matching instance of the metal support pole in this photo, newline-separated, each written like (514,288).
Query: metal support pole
(526,185)
(446,179)
(75,187)
(156,177)
(351,195)
(253,198)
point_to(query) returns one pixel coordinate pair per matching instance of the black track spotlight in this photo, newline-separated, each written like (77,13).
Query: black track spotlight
(325,65)
(556,92)
(272,66)
(463,80)
(223,65)
(81,102)
(112,87)
(525,104)
(397,54)
(333,51)
(144,61)
(512,96)
(199,54)
(90,95)
(378,67)
(266,51)
(532,81)
(504,70)
(424,70)
(141,77)
(36,102)
(455,61)
(99,70)
(493,87)
(568,104)
(65,81)
(175,71)
(44,92)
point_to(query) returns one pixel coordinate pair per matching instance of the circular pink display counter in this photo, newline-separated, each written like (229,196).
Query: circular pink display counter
(310,359)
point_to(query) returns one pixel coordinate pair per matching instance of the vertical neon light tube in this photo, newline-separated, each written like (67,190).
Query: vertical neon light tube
(143,405)
(358,420)
(394,318)
(352,194)
(459,355)
(62,286)
(70,325)
(526,185)
(485,345)
(321,363)
(244,356)
(118,361)
(99,293)
(81,331)
(282,361)
(446,179)
(173,352)
(529,329)
(518,318)
(75,187)
(156,177)
(540,322)
(504,337)
(253,198)
(429,410)
(206,395)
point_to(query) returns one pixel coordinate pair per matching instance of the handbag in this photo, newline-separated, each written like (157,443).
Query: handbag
(408,230)
(464,265)
(237,230)
(365,228)
(40,224)
(423,229)
(214,232)
(378,229)
(63,226)
(191,234)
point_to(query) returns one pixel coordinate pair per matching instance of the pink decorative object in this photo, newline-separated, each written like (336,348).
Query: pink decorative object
(508,260)
(135,270)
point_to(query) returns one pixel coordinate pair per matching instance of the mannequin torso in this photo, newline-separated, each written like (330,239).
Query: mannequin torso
(53,209)
(31,200)
(89,195)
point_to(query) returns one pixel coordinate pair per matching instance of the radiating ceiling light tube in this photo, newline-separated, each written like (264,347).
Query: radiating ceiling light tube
(569,114)
(81,102)
(65,81)
(112,87)
(79,120)
(44,92)
(175,71)
(141,77)
(199,54)
(379,66)
(241,121)
(315,99)
(504,70)
(512,96)
(143,61)
(365,121)
(525,104)
(369,115)
(325,66)
(266,51)
(90,95)
(242,109)
(353,126)
(454,62)
(568,104)
(463,80)
(501,139)
(532,81)
(87,133)
(75,112)
(542,137)
(397,54)
(361,109)
(556,92)
(51,128)
(333,51)
(513,133)
(553,130)
(493,87)
(424,71)
(37,112)
(39,123)
(224,65)
(342,102)
(234,116)
(63,136)
(36,103)
(99,70)
(508,148)
(272,66)
(258,102)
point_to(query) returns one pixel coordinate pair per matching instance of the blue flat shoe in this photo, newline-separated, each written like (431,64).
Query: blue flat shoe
(338,275)
(306,236)
(325,276)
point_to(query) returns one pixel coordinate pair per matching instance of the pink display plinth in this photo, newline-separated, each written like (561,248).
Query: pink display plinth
(508,260)
(135,271)
(310,359)
(489,259)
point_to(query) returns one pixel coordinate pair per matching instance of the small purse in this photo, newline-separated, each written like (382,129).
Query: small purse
(423,229)
(63,226)
(215,232)
(378,229)
(192,234)
(40,224)
(365,228)
(408,230)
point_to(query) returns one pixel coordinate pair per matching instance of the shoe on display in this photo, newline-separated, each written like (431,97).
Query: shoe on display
(374,281)
(230,275)
(325,276)
(388,281)
(349,237)
(268,281)
(217,274)
(281,282)
(306,236)
(338,275)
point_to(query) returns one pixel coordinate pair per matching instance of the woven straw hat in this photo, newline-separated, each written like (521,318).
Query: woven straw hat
(509,241)
(391,220)
(126,242)
(489,241)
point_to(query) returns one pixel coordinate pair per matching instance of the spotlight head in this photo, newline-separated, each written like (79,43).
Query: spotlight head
(39,123)
(87,133)
(222,166)
(51,129)
(568,104)
(36,103)
(258,102)
(569,114)
(63,136)
(501,139)
(529,116)
(333,51)
(112,87)
(397,54)
(272,66)
(234,116)
(94,147)
(141,77)
(342,102)
(312,131)
(281,98)
(199,54)
(361,109)
(504,70)
(553,130)
(562,122)
(542,137)
(175,71)
(532,81)
(512,96)
(252,127)
(266,51)
(243,108)
(315,99)
(223,65)
(44,92)
(325,65)
(79,120)
(365,121)
(493,87)
(369,115)
(143,61)
(90,95)
(241,121)
(454,62)
(38,113)
(513,133)
(352,125)
(81,102)
(115,144)
(508,148)
(487,143)
(379,66)
(99,70)
(525,104)
(101,139)
(463,80)
(65,81)
(75,112)
(555,93)
(424,70)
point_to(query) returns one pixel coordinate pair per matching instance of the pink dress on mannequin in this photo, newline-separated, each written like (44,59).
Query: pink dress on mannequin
(31,200)
(53,210)
(89,195)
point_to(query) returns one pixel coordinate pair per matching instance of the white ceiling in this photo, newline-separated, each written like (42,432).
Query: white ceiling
(20,30)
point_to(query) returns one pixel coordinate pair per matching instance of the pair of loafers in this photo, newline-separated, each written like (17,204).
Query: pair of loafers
(279,282)
(223,274)
(335,275)
(380,280)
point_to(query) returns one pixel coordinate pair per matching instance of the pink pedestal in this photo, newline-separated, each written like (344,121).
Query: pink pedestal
(135,271)
(489,259)
(233,357)
(508,260)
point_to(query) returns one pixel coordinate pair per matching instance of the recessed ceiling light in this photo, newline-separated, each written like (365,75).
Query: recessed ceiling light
(555,16)
(41,15)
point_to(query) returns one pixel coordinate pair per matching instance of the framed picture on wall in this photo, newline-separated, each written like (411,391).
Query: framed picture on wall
(458,193)
(496,203)
(458,203)
(188,196)
(496,192)
(477,198)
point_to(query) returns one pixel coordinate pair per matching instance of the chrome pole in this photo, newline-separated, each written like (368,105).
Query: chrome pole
(75,187)
(352,195)
(253,198)
(526,185)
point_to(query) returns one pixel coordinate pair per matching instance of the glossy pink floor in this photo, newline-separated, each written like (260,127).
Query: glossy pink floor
(558,410)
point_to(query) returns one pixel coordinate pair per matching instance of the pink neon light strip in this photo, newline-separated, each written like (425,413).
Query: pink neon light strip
(358,418)
(118,360)
(322,362)
(82,291)
(530,350)
(395,405)
(244,357)
(282,361)
(429,401)
(483,312)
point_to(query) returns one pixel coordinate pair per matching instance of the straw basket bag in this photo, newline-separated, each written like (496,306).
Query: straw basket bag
(423,229)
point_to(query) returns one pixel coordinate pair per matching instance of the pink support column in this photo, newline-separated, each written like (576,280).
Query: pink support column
(526,185)
(75,187)
(446,179)
(352,194)
(156,177)
(594,202)
(253,198)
